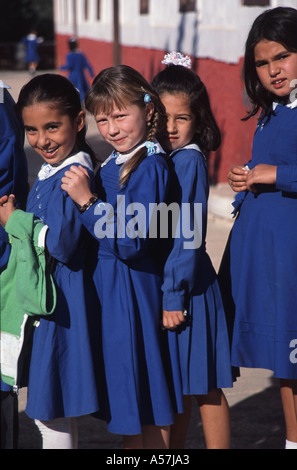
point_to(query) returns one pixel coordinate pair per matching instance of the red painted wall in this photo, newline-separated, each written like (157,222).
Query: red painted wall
(224,85)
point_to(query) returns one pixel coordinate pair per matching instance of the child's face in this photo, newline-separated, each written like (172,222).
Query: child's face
(181,122)
(124,128)
(276,67)
(51,134)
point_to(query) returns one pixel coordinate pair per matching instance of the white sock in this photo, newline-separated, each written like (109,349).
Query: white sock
(59,433)
(291,445)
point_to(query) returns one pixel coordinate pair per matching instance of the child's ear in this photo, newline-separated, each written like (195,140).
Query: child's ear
(149,111)
(80,121)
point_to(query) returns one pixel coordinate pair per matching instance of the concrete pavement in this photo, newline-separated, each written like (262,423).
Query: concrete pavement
(256,416)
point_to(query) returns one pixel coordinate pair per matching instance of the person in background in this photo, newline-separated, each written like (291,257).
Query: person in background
(32,43)
(76,64)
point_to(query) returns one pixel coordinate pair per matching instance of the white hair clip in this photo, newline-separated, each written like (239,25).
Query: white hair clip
(177,58)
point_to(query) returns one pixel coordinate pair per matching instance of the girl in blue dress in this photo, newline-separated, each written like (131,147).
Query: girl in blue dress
(259,270)
(13,179)
(32,42)
(199,341)
(63,376)
(129,274)
(76,64)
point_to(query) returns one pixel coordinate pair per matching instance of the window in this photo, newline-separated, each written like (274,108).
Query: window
(98,9)
(144,7)
(86,12)
(256,3)
(64,12)
(187,5)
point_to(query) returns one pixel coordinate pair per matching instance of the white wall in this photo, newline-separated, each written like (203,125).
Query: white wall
(217,30)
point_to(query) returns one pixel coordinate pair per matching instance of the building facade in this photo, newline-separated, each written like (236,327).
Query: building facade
(139,32)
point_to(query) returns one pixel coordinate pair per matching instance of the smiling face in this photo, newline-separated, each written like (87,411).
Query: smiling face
(276,67)
(51,134)
(181,122)
(124,128)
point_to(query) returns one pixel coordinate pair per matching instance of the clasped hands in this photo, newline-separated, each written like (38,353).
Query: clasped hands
(240,178)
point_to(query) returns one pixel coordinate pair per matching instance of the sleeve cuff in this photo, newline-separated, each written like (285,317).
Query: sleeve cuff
(286,178)
(174,302)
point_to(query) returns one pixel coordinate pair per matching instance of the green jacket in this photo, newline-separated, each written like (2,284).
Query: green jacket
(26,289)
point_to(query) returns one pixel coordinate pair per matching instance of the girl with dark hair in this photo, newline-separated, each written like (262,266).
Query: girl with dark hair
(128,276)
(62,377)
(198,341)
(258,272)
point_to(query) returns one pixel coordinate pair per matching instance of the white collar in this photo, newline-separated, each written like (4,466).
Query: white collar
(3,84)
(120,158)
(47,170)
(192,146)
(291,105)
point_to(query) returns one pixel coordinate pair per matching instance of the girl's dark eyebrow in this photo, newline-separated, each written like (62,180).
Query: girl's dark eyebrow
(281,54)
(276,57)
(183,115)
(51,123)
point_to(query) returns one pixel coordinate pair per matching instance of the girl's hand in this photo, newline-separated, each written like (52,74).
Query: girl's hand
(7,207)
(237,178)
(171,319)
(261,174)
(76,182)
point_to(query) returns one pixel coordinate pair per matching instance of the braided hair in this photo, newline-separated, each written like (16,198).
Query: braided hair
(121,86)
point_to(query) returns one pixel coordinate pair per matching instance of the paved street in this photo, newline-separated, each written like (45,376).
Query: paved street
(256,415)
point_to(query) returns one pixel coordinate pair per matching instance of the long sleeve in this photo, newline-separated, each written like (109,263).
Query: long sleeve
(191,194)
(276,144)
(58,211)
(67,65)
(13,163)
(125,226)
(286,178)
(65,227)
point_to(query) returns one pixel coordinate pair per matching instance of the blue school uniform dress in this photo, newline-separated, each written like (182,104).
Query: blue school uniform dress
(13,167)
(200,346)
(63,376)
(32,43)
(260,264)
(128,279)
(76,64)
